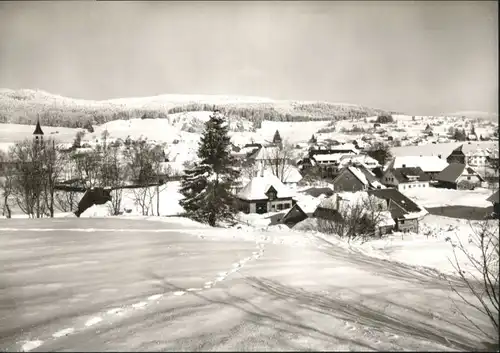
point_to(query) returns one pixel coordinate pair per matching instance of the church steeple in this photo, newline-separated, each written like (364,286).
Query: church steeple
(38,133)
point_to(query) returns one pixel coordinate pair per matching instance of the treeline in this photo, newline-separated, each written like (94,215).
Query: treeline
(74,117)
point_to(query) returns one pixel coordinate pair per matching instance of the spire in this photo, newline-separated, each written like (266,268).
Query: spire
(38,128)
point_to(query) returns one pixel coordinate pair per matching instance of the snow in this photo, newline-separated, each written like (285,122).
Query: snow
(358,174)
(443,149)
(308,203)
(258,186)
(10,133)
(169,203)
(266,153)
(438,197)
(431,249)
(291,132)
(331,157)
(364,159)
(291,174)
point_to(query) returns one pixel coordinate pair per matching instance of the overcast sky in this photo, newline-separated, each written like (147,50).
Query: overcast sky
(414,57)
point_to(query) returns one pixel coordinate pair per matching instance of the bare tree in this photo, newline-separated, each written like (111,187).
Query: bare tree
(249,169)
(52,169)
(87,167)
(67,200)
(28,184)
(360,218)
(279,160)
(484,284)
(112,173)
(144,166)
(5,184)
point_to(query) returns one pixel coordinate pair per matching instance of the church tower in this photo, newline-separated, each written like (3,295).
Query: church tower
(38,133)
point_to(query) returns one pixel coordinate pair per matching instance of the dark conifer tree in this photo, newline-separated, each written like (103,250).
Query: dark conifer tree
(207,187)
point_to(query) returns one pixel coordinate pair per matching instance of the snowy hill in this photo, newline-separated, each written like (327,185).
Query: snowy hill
(25,105)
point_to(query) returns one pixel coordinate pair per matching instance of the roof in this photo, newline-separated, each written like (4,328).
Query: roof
(385,219)
(494,198)
(315,191)
(394,195)
(308,205)
(362,174)
(359,158)
(291,174)
(345,199)
(454,170)
(265,153)
(38,128)
(443,149)
(258,186)
(335,157)
(426,163)
(402,174)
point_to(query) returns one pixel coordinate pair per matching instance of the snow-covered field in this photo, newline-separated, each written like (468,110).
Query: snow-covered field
(429,248)
(10,133)
(439,197)
(127,284)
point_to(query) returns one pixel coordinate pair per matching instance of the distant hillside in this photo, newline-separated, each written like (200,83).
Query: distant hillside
(24,106)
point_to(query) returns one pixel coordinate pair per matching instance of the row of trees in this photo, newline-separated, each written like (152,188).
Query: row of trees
(257,113)
(32,172)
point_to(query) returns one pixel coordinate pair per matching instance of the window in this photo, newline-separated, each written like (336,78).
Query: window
(401,222)
(468,178)
(286,206)
(280,206)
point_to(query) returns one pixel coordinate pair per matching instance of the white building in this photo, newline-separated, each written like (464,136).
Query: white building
(265,194)
(478,158)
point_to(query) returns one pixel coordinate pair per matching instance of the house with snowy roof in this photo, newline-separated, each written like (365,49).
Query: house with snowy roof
(341,206)
(405,213)
(265,194)
(459,176)
(406,178)
(430,165)
(478,158)
(355,178)
(302,210)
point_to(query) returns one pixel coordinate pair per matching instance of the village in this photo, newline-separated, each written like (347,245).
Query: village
(393,160)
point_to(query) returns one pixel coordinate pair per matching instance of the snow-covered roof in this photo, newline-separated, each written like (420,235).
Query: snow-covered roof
(385,219)
(291,174)
(426,163)
(309,204)
(266,153)
(479,153)
(328,157)
(360,158)
(358,174)
(258,186)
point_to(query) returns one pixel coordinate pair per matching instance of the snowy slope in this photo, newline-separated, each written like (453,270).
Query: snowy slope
(23,106)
